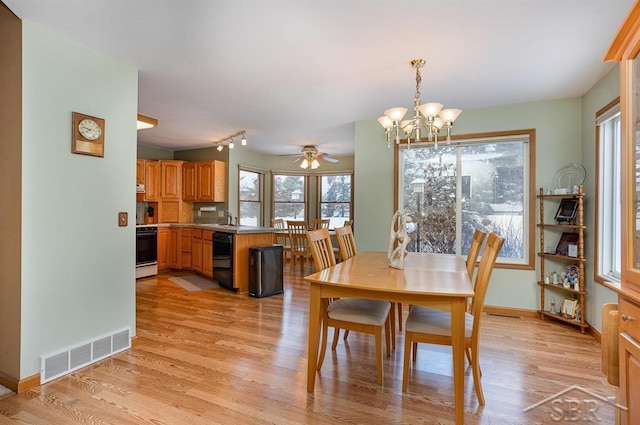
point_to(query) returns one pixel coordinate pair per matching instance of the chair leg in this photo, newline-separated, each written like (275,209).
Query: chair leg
(477,375)
(414,350)
(387,336)
(323,346)
(378,335)
(400,317)
(346,334)
(336,335)
(467,351)
(405,363)
(392,324)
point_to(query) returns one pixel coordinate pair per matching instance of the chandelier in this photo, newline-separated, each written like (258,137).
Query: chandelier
(228,141)
(429,118)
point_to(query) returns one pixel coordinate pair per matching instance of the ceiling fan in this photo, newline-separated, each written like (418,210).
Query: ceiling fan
(310,156)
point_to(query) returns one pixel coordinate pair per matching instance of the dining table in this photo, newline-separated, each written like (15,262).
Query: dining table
(426,279)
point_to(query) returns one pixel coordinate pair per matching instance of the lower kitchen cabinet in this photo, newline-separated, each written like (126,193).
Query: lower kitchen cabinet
(207,253)
(168,248)
(629,349)
(196,250)
(185,248)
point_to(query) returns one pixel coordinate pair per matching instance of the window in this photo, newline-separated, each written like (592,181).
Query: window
(335,195)
(608,260)
(476,182)
(250,197)
(290,197)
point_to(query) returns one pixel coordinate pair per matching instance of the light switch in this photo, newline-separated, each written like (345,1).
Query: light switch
(123,219)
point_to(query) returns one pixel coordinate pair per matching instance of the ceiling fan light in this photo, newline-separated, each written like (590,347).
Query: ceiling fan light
(304,164)
(395,114)
(314,164)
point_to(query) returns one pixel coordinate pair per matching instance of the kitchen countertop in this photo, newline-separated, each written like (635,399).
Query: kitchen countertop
(216,227)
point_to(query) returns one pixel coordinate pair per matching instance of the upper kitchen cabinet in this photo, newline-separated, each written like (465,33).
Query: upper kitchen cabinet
(151,181)
(140,171)
(212,181)
(171,180)
(189,180)
(204,181)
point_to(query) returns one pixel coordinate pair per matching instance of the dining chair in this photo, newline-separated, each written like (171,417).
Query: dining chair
(320,223)
(282,237)
(433,326)
(299,243)
(474,250)
(358,315)
(347,247)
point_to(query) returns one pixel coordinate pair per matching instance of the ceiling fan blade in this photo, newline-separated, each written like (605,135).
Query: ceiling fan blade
(328,158)
(299,158)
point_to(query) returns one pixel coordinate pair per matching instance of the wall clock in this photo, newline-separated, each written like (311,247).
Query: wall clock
(87,135)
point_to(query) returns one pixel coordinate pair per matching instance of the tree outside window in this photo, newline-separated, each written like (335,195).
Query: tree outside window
(250,198)
(289,197)
(468,185)
(335,198)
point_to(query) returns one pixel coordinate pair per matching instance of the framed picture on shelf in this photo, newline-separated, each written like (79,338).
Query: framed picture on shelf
(569,307)
(567,210)
(567,238)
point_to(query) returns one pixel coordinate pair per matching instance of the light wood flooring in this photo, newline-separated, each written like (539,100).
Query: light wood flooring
(214,357)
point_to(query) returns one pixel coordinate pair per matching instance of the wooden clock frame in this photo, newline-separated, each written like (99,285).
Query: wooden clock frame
(81,145)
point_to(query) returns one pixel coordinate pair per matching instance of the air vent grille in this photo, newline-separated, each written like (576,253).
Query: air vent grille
(72,358)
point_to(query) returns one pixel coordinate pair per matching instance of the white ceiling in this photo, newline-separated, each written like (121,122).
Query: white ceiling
(298,72)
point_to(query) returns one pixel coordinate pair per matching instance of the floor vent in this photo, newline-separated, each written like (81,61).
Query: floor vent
(60,363)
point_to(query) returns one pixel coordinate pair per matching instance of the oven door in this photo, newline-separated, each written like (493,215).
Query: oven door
(146,245)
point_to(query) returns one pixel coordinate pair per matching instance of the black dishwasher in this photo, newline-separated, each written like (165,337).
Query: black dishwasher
(223,259)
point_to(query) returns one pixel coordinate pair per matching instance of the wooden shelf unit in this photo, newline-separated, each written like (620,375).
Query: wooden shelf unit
(563,260)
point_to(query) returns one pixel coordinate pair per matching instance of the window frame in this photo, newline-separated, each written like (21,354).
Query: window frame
(529,208)
(305,200)
(602,233)
(260,201)
(319,201)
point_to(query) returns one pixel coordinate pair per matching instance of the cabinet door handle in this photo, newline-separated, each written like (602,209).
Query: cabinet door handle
(627,318)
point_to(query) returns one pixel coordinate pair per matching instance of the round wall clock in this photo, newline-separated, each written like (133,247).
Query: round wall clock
(87,136)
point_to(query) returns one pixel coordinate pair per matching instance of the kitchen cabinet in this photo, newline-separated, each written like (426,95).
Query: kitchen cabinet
(151,181)
(211,183)
(571,293)
(185,248)
(207,253)
(168,240)
(625,49)
(140,171)
(189,179)
(204,181)
(196,250)
(170,180)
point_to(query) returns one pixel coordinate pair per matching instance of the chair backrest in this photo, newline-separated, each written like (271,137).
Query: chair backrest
(346,242)
(278,223)
(474,250)
(489,256)
(321,249)
(320,223)
(298,235)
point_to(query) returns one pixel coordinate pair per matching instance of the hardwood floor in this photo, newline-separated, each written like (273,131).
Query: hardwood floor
(214,357)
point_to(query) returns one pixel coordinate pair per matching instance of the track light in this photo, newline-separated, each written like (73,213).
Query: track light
(228,141)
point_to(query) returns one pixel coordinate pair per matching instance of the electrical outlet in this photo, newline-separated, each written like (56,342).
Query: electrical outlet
(220,213)
(199,213)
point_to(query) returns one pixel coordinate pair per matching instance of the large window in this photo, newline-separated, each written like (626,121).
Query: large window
(290,197)
(476,182)
(608,230)
(250,197)
(335,198)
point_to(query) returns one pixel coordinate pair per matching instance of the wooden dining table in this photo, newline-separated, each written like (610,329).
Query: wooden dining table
(426,279)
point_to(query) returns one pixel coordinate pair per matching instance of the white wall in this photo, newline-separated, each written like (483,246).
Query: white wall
(607,89)
(78,277)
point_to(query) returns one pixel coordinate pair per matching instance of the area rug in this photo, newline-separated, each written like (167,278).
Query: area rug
(193,282)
